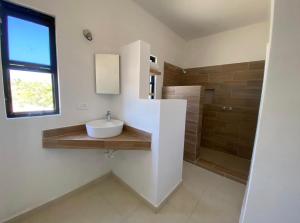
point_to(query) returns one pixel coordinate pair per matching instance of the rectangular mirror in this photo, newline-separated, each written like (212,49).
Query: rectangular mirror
(107,74)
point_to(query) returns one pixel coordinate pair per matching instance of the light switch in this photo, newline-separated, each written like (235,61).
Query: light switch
(82,107)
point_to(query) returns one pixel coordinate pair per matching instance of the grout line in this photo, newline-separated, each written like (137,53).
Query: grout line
(132,213)
(193,211)
(112,207)
(126,215)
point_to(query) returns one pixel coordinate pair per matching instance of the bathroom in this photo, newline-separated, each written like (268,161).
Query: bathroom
(148,111)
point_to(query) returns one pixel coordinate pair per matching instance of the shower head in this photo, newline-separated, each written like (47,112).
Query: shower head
(87,34)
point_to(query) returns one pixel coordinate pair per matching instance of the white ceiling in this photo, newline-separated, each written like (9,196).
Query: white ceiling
(196,18)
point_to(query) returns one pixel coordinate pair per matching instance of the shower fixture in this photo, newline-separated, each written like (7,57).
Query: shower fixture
(87,34)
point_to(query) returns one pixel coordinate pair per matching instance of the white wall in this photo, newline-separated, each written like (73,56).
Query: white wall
(234,46)
(171,144)
(273,192)
(31,175)
(136,168)
(153,174)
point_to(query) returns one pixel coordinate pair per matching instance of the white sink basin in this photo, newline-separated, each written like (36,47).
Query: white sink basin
(103,128)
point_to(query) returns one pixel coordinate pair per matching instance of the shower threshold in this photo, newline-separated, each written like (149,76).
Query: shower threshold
(227,165)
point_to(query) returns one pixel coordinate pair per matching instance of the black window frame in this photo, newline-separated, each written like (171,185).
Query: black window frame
(152,87)
(152,82)
(9,9)
(153,59)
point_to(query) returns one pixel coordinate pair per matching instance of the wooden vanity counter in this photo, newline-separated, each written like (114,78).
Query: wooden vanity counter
(75,137)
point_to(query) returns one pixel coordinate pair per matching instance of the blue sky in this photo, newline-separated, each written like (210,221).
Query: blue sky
(28,41)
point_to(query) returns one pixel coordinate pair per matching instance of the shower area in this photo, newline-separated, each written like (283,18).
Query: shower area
(222,112)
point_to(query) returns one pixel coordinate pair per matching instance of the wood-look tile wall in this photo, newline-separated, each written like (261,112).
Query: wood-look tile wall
(233,85)
(194,116)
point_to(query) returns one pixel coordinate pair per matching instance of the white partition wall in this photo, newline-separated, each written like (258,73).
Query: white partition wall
(171,146)
(152,174)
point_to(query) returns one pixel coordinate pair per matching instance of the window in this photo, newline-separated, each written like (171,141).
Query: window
(29,62)
(152,87)
(153,59)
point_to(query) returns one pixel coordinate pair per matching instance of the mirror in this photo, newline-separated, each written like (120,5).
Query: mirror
(107,74)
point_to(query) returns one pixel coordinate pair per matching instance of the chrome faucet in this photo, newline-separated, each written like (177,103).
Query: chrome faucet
(108,115)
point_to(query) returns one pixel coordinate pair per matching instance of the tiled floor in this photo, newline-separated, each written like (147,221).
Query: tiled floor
(204,197)
(230,166)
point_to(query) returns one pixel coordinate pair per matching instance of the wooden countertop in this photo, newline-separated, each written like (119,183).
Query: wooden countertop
(75,137)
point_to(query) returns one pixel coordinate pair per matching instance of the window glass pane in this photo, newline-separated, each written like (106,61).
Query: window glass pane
(28,41)
(31,91)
